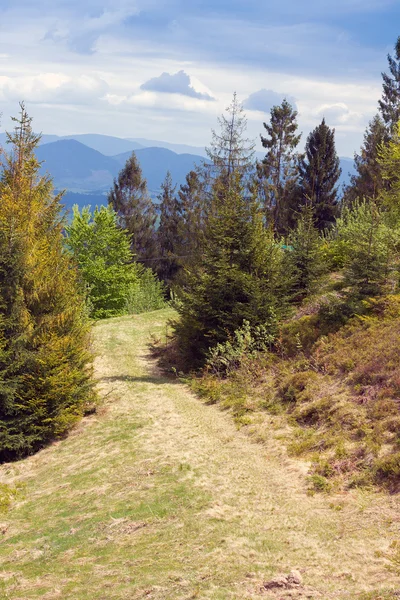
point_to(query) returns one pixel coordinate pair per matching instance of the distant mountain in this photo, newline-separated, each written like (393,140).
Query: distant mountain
(155,162)
(348,169)
(177,148)
(77,167)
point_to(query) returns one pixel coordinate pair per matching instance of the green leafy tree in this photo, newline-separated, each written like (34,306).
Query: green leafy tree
(319,173)
(368,181)
(131,201)
(390,103)
(102,252)
(278,172)
(169,232)
(45,361)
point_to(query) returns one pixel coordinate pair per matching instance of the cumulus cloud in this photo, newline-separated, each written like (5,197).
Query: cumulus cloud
(264,100)
(179,83)
(339,114)
(53,88)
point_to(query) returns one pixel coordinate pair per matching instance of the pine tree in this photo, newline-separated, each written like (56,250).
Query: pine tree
(130,200)
(169,232)
(367,182)
(44,334)
(102,252)
(319,173)
(389,105)
(278,171)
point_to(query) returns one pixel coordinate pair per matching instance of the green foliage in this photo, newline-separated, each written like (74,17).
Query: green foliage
(247,342)
(242,275)
(45,373)
(278,171)
(169,233)
(319,174)
(130,199)
(369,247)
(305,255)
(102,253)
(389,105)
(147,294)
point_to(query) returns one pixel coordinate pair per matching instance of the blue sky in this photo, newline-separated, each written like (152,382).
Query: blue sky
(165,69)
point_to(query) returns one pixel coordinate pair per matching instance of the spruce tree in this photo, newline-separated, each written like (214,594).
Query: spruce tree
(192,199)
(44,334)
(240,276)
(230,152)
(169,232)
(278,171)
(319,173)
(389,105)
(367,182)
(130,199)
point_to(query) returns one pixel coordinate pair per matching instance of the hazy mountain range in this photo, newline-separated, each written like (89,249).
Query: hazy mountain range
(85,165)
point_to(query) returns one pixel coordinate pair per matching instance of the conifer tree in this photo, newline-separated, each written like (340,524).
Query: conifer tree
(319,173)
(367,182)
(169,232)
(240,276)
(130,200)
(305,255)
(278,171)
(192,199)
(389,105)
(44,334)
(230,152)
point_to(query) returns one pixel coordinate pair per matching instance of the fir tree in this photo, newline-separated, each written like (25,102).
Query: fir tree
(44,334)
(278,171)
(130,200)
(389,105)
(367,182)
(319,173)
(169,232)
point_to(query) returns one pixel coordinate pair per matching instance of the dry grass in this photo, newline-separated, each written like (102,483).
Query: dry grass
(159,496)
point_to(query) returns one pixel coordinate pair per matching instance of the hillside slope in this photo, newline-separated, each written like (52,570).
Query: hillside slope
(159,496)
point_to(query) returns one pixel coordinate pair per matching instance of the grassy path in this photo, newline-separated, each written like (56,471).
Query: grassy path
(159,496)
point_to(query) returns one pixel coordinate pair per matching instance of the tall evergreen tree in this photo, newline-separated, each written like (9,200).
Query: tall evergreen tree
(192,200)
(44,334)
(169,232)
(240,275)
(389,105)
(130,199)
(278,171)
(230,152)
(367,182)
(319,173)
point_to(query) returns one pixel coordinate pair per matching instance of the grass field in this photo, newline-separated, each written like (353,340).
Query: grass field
(159,496)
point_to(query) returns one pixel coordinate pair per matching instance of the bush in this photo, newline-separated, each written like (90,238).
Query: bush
(146,294)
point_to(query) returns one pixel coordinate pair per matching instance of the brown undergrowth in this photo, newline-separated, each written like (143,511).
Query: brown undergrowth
(329,390)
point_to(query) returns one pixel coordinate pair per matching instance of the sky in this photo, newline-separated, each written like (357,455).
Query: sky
(166,69)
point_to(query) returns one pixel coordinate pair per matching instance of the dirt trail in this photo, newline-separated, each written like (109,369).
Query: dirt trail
(256,520)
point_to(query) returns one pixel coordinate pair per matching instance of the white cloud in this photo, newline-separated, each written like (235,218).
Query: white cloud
(264,100)
(178,83)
